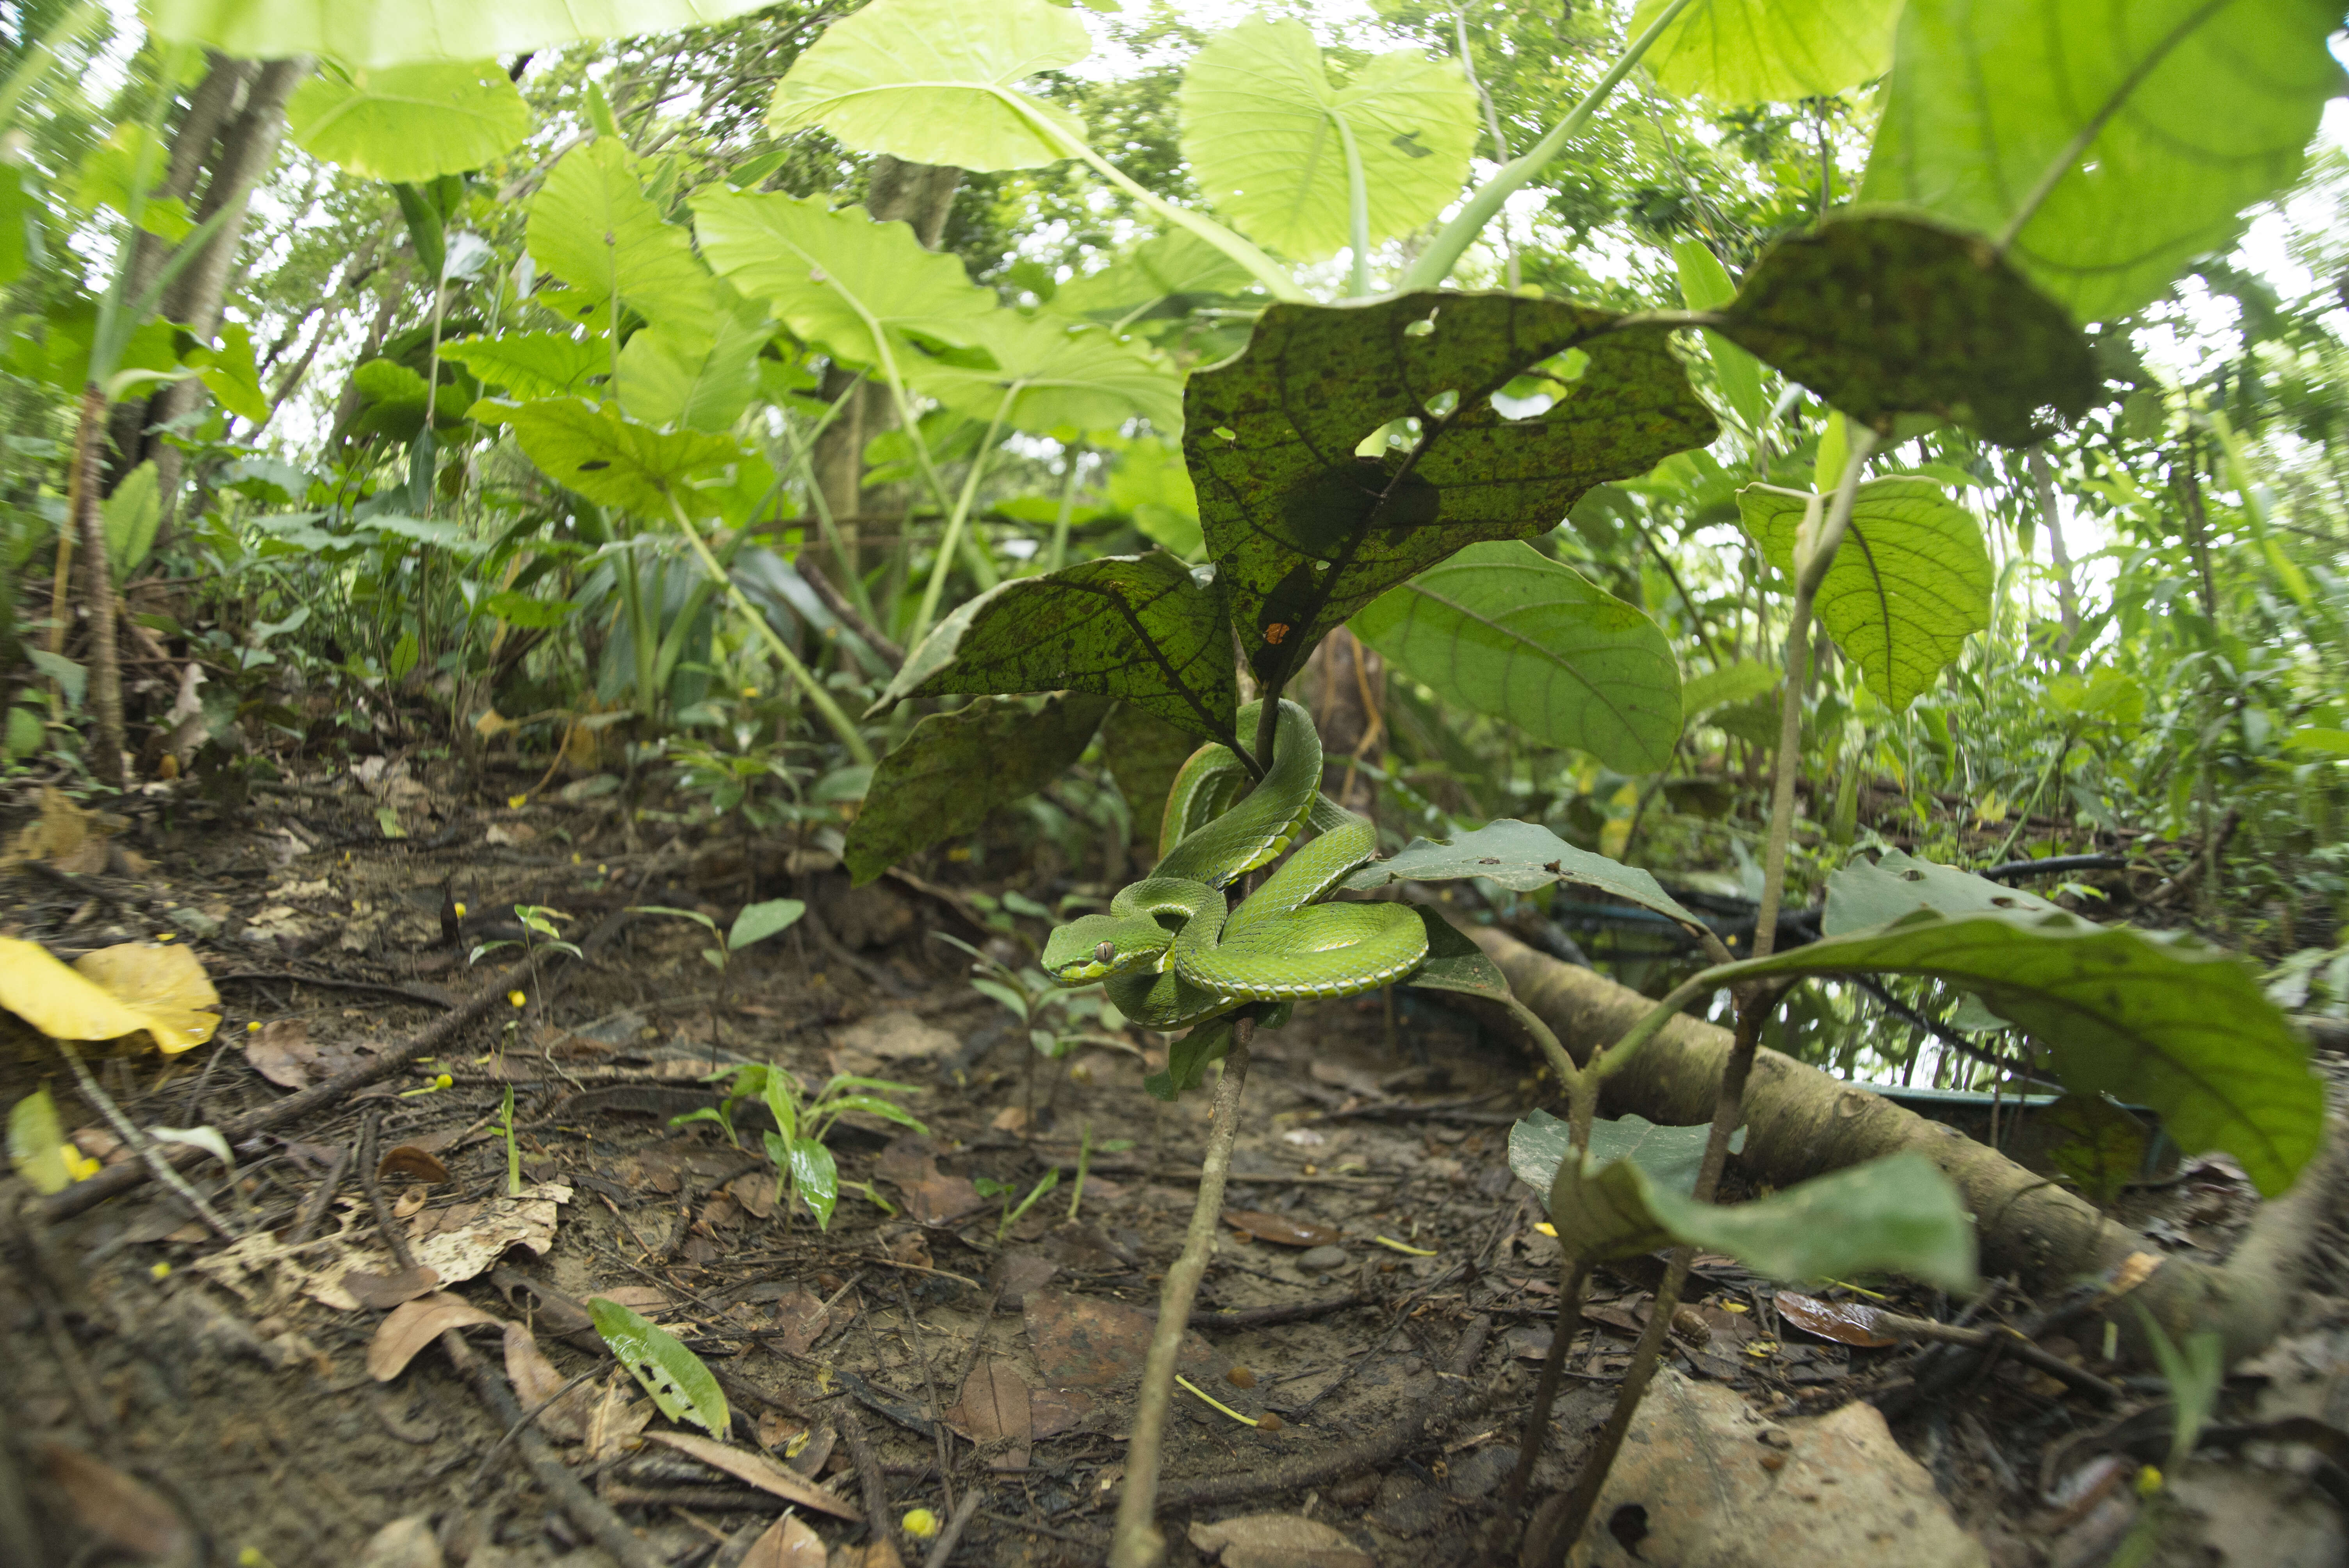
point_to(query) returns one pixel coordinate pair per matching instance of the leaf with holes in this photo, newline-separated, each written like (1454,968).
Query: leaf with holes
(680,1386)
(1503,629)
(1886,316)
(1767,51)
(592,226)
(1861,896)
(1911,582)
(1521,857)
(610,461)
(1144,629)
(409,123)
(2130,139)
(1305,534)
(955,768)
(1269,136)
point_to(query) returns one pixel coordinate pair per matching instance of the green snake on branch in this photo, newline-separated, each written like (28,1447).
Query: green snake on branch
(1171,950)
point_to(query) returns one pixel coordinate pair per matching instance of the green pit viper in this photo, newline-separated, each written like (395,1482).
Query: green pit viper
(1171,952)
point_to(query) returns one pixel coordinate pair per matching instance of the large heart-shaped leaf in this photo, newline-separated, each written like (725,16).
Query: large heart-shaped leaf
(1049,376)
(610,461)
(945,778)
(592,225)
(2153,1018)
(1161,275)
(1304,533)
(1144,629)
(1911,582)
(936,81)
(532,364)
(838,280)
(1520,857)
(1885,316)
(387,32)
(410,122)
(699,378)
(2129,139)
(1504,630)
(1768,51)
(1265,133)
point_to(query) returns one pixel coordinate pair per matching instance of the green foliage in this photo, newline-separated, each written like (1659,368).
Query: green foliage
(387,32)
(758,921)
(1669,1155)
(614,460)
(1521,857)
(804,1167)
(131,515)
(410,122)
(1753,51)
(36,1143)
(592,226)
(956,768)
(681,1385)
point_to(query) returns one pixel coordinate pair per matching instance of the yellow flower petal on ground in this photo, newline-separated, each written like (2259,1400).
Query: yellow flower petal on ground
(62,1003)
(166,986)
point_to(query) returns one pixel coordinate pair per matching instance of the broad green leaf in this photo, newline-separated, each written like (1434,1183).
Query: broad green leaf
(1899,1214)
(1861,896)
(1163,275)
(382,381)
(886,1110)
(1741,681)
(1501,629)
(1911,582)
(2157,1019)
(131,514)
(1261,128)
(945,778)
(1885,316)
(1148,483)
(936,81)
(1768,51)
(700,377)
(529,611)
(410,123)
(1144,629)
(1304,533)
(758,921)
(20,235)
(816,1178)
(1705,285)
(1520,857)
(531,364)
(387,32)
(2094,1144)
(1144,753)
(37,1144)
(1048,375)
(1455,964)
(107,174)
(610,461)
(230,375)
(592,226)
(2159,123)
(838,280)
(681,1387)
(1672,1156)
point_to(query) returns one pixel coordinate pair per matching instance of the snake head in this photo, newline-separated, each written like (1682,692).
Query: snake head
(1094,947)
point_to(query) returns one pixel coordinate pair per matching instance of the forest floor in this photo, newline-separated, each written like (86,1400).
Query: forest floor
(177,1395)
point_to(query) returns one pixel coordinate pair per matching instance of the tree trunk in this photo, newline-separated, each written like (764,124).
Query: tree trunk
(105,680)
(2067,596)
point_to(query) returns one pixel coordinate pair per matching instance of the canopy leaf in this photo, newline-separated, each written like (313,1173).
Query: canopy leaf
(1048,375)
(388,32)
(612,461)
(1768,51)
(531,364)
(592,225)
(1520,857)
(409,123)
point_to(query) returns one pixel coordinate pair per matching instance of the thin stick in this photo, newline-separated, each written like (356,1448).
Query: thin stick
(930,1388)
(149,1154)
(947,1538)
(868,1472)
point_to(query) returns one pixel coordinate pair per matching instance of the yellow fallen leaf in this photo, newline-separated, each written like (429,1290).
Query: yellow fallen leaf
(167,985)
(62,1003)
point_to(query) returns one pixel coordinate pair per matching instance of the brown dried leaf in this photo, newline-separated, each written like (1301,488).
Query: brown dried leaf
(618,1417)
(787,1543)
(381,1293)
(940,1200)
(283,1054)
(801,1319)
(1051,1411)
(536,1381)
(1279,1228)
(756,1193)
(759,1471)
(1845,1322)
(994,1410)
(127,1513)
(410,1204)
(1086,1343)
(413,1325)
(1277,1540)
(777,1432)
(409,1161)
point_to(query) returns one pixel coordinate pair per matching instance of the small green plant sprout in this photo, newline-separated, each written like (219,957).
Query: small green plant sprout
(987,1187)
(504,1128)
(757,923)
(804,1166)
(537,920)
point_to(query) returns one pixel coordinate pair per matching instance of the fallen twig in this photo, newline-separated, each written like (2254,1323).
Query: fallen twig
(149,1156)
(943,1548)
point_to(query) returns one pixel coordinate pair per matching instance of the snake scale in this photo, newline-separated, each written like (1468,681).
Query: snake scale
(1172,952)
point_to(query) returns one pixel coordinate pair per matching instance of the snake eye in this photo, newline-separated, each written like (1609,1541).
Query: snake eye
(1106,952)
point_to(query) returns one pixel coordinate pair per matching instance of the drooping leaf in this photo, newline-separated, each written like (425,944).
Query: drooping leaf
(1884,315)
(945,778)
(1455,964)
(1911,582)
(531,364)
(1861,894)
(1521,857)
(1144,629)
(110,999)
(592,226)
(816,1178)
(409,123)
(701,377)
(1705,285)
(1768,51)
(1503,629)
(1304,533)
(230,375)
(936,81)
(166,986)
(681,1387)
(131,515)
(2160,123)
(1048,375)
(1741,681)
(388,32)
(758,921)
(838,280)
(1261,129)
(610,461)
(1188,1059)
(2097,1146)
(1897,1214)
(2157,1019)
(1672,1156)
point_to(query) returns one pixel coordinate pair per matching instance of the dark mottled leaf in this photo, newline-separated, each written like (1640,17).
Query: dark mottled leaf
(1454,962)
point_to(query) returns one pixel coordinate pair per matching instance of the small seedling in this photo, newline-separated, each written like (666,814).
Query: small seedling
(804,1166)
(504,1128)
(757,923)
(989,1187)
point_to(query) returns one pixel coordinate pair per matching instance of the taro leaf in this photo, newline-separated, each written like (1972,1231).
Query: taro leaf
(931,81)
(2160,1019)
(1501,629)
(2160,123)
(1521,857)
(699,375)
(610,461)
(1861,896)
(409,123)
(1899,1214)
(758,921)
(1162,275)
(1261,130)
(2098,1147)
(1886,316)
(1669,1155)
(531,364)
(1767,51)
(1048,375)
(386,32)
(1910,582)
(681,1387)
(838,280)
(1454,962)
(592,225)
(1144,629)
(1304,533)
(1144,753)
(956,767)
(1188,1059)
(1741,681)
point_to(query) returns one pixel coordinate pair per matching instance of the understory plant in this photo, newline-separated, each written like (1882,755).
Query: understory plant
(805,1171)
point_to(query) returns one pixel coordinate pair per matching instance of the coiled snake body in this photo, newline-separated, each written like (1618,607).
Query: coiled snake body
(1171,950)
